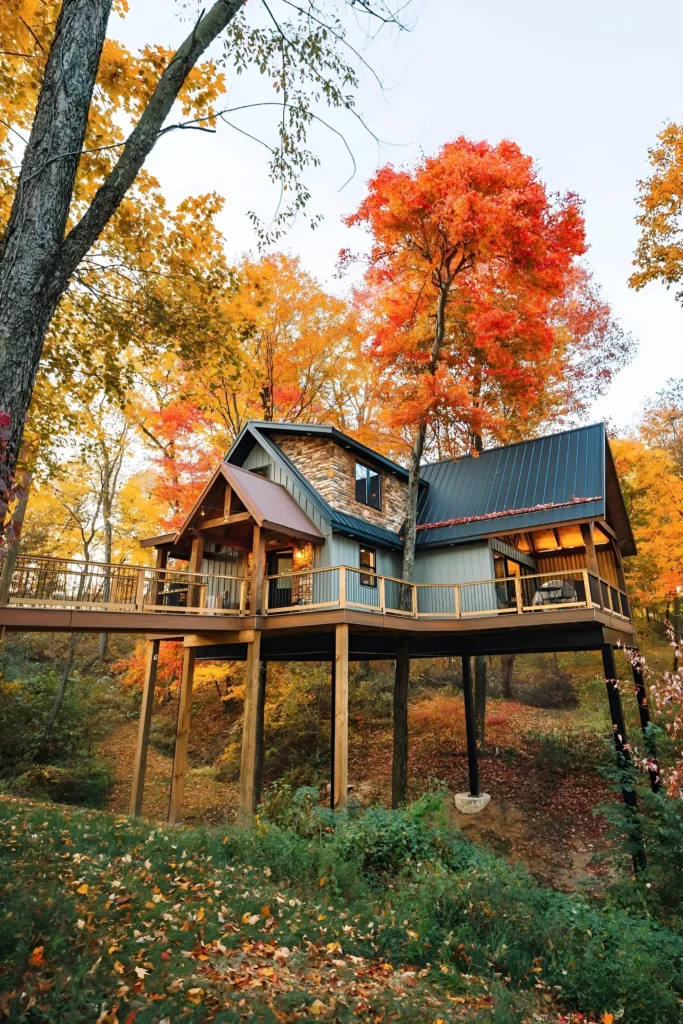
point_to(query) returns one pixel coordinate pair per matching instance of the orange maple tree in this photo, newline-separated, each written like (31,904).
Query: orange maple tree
(474,292)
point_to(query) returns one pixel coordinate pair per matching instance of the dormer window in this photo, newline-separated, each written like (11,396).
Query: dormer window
(368,486)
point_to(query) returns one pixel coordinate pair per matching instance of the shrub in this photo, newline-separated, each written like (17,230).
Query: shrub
(86,781)
(561,752)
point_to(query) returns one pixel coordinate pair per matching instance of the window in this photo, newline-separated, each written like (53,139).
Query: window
(368,486)
(368,560)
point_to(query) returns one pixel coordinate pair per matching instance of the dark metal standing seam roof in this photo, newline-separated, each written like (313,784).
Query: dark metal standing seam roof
(551,470)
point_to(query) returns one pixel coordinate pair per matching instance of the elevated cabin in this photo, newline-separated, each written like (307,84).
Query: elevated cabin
(541,523)
(293,551)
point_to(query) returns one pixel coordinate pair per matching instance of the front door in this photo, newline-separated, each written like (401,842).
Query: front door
(280,589)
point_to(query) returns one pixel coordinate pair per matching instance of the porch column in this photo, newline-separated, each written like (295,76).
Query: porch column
(399,772)
(146,709)
(194,591)
(623,752)
(250,730)
(340,778)
(258,568)
(175,806)
(644,712)
(591,556)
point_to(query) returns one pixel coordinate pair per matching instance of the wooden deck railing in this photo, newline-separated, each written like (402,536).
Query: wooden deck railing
(345,587)
(44,582)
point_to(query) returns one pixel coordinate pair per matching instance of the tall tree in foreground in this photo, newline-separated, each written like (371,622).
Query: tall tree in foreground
(54,223)
(470,258)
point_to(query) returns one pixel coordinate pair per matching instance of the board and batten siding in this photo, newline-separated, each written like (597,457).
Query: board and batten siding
(224,593)
(569,561)
(466,563)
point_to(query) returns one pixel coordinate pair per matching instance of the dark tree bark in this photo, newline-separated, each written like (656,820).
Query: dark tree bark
(36,260)
(59,696)
(399,772)
(480,688)
(508,669)
(10,559)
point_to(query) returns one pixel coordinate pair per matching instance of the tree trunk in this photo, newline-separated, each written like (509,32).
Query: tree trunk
(480,686)
(677,628)
(59,696)
(36,261)
(106,509)
(508,669)
(31,245)
(10,559)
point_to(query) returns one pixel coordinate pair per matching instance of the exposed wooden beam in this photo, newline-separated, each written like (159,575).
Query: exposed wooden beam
(146,710)
(175,806)
(340,782)
(212,524)
(233,636)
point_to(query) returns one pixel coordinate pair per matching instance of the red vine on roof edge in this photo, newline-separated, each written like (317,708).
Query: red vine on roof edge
(507,512)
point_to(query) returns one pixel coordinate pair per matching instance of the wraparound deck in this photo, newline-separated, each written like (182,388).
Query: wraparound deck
(67,590)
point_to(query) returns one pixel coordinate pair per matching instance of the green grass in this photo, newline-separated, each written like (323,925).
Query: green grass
(386,914)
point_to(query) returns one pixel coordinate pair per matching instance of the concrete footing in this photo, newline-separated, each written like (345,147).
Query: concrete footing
(467,804)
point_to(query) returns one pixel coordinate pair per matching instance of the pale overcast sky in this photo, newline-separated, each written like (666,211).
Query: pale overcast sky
(582,87)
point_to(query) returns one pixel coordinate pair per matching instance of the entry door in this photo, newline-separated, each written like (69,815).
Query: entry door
(280,590)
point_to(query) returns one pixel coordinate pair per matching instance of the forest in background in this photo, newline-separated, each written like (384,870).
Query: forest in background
(473,320)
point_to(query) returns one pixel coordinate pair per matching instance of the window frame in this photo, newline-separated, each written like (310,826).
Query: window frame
(366,580)
(368,471)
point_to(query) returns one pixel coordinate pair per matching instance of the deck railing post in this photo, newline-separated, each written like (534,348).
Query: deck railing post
(342,586)
(413,590)
(518,595)
(140,592)
(456,598)
(266,594)
(587,588)
(112,590)
(243,597)
(382,601)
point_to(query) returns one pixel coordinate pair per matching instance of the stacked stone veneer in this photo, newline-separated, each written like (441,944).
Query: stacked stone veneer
(332,471)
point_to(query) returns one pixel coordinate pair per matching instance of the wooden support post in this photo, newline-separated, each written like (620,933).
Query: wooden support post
(399,772)
(470,727)
(258,568)
(146,710)
(194,589)
(182,735)
(623,752)
(333,715)
(340,781)
(260,731)
(250,730)
(591,556)
(644,712)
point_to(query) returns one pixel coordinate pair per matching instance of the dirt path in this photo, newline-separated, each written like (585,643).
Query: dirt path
(206,801)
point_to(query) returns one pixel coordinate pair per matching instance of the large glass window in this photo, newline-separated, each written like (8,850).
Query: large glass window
(368,560)
(368,486)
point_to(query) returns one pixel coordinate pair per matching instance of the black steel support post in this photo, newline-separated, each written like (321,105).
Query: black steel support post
(621,746)
(644,712)
(470,726)
(333,692)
